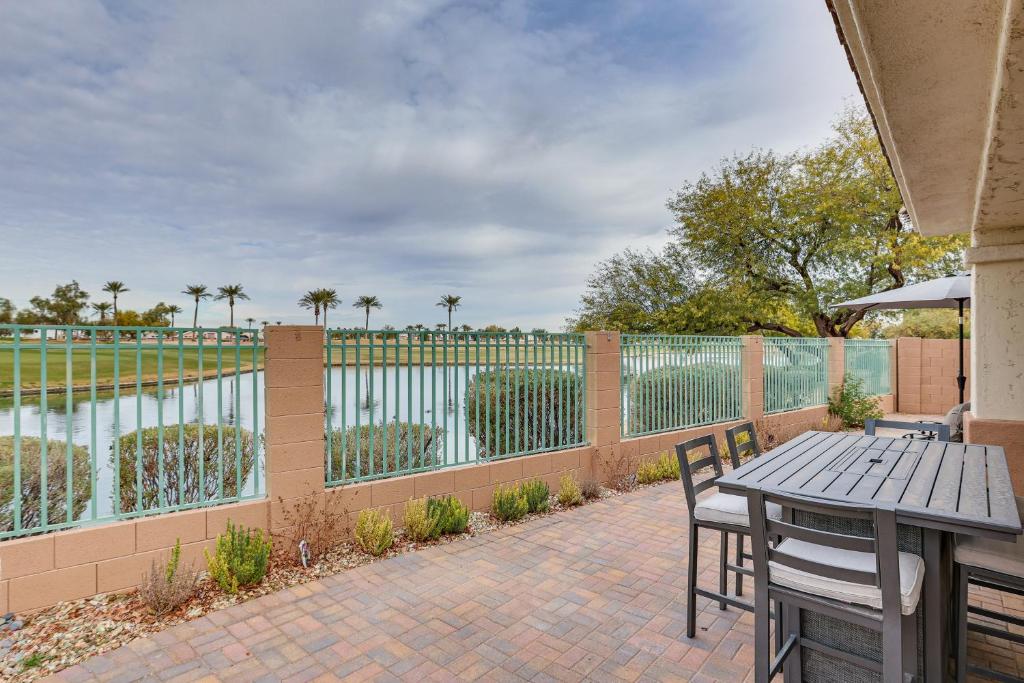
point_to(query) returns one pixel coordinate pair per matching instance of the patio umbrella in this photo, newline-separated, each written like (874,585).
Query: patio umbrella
(953,291)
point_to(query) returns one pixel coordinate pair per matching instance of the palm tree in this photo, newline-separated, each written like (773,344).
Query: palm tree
(366,302)
(311,302)
(101,307)
(441,327)
(174,310)
(250,321)
(115,287)
(328,300)
(451,302)
(232,293)
(197,292)
(264,323)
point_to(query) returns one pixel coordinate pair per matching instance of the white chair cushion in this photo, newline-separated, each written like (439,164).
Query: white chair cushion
(988,553)
(911,575)
(726,508)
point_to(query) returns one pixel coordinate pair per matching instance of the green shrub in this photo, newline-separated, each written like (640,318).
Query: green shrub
(509,503)
(547,405)
(668,466)
(852,404)
(31,482)
(451,513)
(240,559)
(420,525)
(795,386)
(648,472)
(418,446)
(537,493)
(665,397)
(569,493)
(128,444)
(374,532)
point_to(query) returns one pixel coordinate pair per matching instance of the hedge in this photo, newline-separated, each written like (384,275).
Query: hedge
(31,483)
(419,439)
(683,396)
(529,410)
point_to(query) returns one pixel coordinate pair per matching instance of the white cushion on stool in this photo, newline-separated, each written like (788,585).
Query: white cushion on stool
(911,575)
(725,508)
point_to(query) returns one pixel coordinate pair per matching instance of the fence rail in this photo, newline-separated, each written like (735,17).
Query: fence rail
(674,382)
(105,449)
(869,360)
(795,373)
(415,401)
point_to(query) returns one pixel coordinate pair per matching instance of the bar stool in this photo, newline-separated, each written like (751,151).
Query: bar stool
(737,450)
(988,563)
(861,580)
(720,511)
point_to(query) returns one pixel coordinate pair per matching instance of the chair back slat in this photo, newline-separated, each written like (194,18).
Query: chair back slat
(739,448)
(802,533)
(821,569)
(687,468)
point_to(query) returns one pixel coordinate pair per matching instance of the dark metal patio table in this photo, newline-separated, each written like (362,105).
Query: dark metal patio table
(938,489)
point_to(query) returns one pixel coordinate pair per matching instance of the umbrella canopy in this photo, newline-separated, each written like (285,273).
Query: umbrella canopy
(953,291)
(943,292)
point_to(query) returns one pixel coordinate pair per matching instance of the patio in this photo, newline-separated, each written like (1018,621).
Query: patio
(596,593)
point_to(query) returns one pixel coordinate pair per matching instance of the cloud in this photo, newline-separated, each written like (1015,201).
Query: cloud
(401,148)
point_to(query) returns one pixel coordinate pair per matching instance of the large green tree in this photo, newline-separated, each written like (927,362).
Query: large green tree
(767,242)
(63,307)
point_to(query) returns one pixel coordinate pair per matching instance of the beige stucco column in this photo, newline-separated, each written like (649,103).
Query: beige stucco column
(836,363)
(997,345)
(752,368)
(294,385)
(603,397)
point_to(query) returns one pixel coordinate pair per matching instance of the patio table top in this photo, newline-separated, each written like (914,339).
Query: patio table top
(963,488)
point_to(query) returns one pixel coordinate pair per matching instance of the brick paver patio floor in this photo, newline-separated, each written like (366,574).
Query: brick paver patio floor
(597,593)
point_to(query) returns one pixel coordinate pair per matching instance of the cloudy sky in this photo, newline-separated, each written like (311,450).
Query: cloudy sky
(402,148)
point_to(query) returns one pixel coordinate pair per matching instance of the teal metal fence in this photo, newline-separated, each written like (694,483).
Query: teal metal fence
(102,423)
(795,373)
(869,360)
(400,402)
(674,382)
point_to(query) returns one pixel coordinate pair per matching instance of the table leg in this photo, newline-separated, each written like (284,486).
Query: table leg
(936,602)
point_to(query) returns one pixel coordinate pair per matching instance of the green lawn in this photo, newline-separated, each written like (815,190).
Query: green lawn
(129,365)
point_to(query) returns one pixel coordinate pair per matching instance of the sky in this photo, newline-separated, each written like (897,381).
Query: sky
(398,148)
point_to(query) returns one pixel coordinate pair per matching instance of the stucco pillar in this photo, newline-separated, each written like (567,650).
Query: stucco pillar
(997,345)
(836,363)
(752,369)
(294,385)
(603,397)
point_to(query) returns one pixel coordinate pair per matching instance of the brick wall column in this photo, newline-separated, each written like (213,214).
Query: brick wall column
(894,375)
(294,385)
(836,363)
(908,374)
(753,377)
(604,411)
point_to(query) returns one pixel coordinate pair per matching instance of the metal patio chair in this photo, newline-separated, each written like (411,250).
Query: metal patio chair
(737,450)
(934,431)
(857,579)
(722,512)
(993,564)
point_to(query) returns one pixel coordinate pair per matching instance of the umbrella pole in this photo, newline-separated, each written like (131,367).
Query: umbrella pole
(960,379)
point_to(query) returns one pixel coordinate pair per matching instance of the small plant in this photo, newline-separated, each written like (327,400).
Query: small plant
(537,494)
(164,588)
(668,466)
(648,472)
(420,525)
(374,532)
(240,559)
(591,489)
(569,493)
(509,504)
(852,404)
(320,525)
(33,661)
(451,513)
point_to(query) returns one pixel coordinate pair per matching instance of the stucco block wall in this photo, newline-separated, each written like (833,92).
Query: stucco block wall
(926,374)
(40,571)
